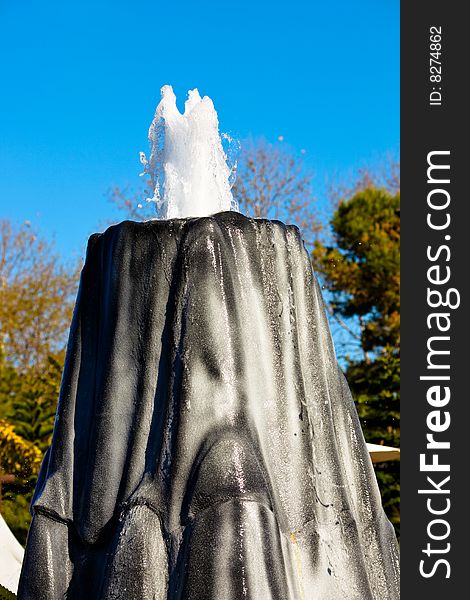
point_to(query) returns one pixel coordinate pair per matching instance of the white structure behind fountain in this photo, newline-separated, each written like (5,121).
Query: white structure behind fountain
(206,445)
(187,164)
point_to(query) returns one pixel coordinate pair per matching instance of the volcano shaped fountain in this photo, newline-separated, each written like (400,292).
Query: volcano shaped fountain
(206,445)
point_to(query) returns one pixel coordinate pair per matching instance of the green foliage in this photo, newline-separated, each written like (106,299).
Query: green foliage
(25,436)
(15,509)
(34,402)
(8,383)
(36,302)
(361,270)
(18,457)
(20,461)
(376,389)
(28,403)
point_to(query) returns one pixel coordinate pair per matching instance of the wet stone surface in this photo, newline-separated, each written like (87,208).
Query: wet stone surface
(206,445)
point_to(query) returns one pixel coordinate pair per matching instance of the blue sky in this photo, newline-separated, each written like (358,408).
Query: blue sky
(81,81)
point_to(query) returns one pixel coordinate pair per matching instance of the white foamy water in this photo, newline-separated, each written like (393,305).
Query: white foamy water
(187,164)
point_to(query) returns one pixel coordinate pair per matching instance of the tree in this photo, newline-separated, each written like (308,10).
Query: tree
(133,202)
(36,297)
(271,182)
(361,272)
(20,460)
(34,402)
(361,269)
(36,301)
(384,176)
(19,457)
(25,433)
(376,390)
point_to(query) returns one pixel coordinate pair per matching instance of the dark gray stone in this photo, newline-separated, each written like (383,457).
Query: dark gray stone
(206,444)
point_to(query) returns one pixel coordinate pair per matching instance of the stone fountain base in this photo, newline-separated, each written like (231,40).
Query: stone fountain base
(206,443)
